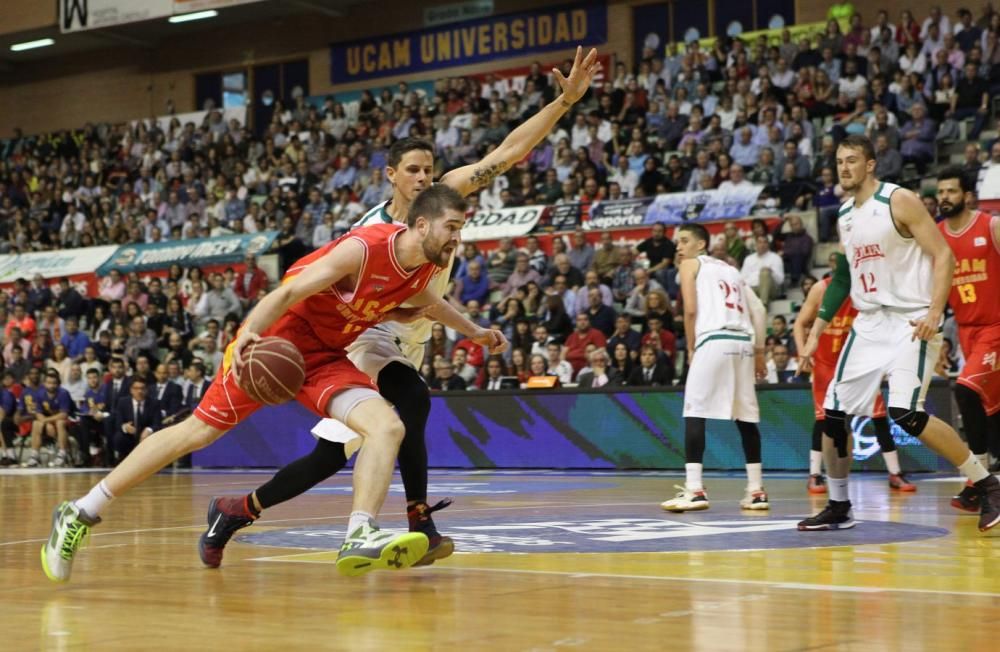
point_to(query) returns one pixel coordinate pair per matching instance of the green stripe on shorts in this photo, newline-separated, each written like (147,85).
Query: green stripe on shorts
(840,369)
(741,338)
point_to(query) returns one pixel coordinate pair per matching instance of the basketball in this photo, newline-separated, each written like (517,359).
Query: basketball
(273,371)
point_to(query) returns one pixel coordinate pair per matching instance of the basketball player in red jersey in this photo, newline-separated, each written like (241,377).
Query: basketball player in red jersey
(391,353)
(974,238)
(822,366)
(325,301)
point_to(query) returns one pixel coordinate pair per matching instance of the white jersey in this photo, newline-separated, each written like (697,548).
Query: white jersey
(417,332)
(722,304)
(888,271)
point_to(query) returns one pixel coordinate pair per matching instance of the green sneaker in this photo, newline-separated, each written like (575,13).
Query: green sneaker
(369,548)
(70,528)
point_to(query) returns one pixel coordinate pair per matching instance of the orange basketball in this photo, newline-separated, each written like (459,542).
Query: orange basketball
(273,371)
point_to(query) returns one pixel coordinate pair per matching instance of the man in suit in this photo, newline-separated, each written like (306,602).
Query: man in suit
(651,372)
(137,416)
(169,396)
(197,384)
(115,388)
(600,373)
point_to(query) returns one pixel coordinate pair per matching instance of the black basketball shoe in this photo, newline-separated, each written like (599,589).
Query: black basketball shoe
(989,489)
(835,516)
(225,516)
(419,516)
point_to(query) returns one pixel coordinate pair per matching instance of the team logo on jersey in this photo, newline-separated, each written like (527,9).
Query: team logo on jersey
(379,277)
(979,241)
(867,252)
(990,360)
(379,288)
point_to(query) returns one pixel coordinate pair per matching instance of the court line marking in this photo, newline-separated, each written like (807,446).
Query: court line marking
(328,518)
(795,586)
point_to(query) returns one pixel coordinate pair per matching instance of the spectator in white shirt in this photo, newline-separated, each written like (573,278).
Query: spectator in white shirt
(763,270)
(323,232)
(558,366)
(624,176)
(736,180)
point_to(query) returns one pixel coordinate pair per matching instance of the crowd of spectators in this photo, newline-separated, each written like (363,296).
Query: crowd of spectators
(738,113)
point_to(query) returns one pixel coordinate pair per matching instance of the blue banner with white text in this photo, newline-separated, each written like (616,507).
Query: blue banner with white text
(202,251)
(472,41)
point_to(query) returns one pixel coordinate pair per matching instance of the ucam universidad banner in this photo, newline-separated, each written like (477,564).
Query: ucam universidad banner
(472,41)
(188,253)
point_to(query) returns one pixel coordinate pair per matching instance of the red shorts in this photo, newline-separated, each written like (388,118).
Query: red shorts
(981,373)
(328,371)
(822,376)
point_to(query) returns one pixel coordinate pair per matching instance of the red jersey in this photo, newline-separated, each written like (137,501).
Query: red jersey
(832,339)
(338,318)
(975,287)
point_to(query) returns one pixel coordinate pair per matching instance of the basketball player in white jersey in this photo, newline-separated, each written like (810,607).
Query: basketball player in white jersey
(899,278)
(392,353)
(724,323)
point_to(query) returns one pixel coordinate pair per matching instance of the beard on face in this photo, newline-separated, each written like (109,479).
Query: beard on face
(947,209)
(436,253)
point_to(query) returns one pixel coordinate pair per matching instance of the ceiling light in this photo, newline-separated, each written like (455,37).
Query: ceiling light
(197,15)
(31,45)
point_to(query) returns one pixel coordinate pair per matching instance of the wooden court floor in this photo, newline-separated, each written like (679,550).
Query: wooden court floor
(550,561)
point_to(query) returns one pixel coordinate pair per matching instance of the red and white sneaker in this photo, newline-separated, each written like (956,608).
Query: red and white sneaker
(755,499)
(898,482)
(687,501)
(817,484)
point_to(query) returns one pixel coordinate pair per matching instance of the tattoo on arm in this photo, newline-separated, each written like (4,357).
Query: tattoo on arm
(484,176)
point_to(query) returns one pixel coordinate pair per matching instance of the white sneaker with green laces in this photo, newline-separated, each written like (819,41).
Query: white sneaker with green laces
(368,548)
(687,500)
(70,528)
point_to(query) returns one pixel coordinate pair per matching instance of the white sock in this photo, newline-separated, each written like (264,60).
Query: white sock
(94,450)
(357,520)
(838,488)
(984,459)
(815,462)
(692,472)
(892,462)
(96,500)
(754,480)
(973,469)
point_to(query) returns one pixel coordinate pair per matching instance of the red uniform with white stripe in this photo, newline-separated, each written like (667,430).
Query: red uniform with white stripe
(975,300)
(827,352)
(324,324)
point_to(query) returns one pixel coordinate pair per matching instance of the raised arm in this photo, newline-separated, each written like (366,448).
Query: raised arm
(521,141)
(909,211)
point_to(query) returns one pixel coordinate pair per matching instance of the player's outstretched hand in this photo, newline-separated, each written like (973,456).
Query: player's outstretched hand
(491,338)
(580,76)
(926,328)
(244,339)
(406,315)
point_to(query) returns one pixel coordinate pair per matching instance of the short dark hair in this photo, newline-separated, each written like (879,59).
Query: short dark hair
(52,373)
(698,231)
(857,141)
(408,144)
(94,371)
(433,202)
(955,172)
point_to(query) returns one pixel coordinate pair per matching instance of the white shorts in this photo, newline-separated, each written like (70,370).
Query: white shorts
(370,353)
(376,348)
(720,382)
(881,345)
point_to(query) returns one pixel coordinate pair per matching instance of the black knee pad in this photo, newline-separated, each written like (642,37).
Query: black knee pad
(912,422)
(402,386)
(835,423)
